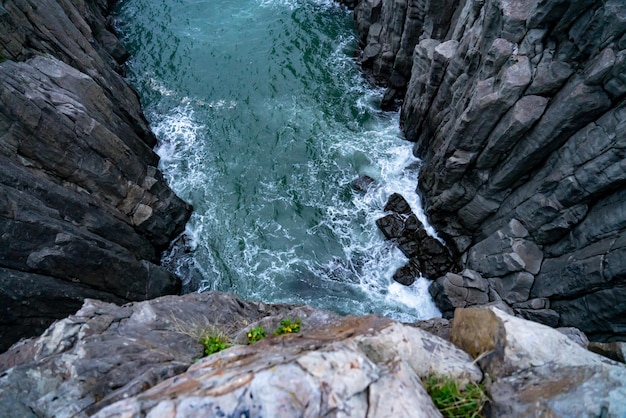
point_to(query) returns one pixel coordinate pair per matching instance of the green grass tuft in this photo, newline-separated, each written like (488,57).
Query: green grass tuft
(455,401)
(255,334)
(214,343)
(287,326)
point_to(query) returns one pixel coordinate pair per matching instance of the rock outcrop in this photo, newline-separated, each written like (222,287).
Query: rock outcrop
(518,112)
(427,256)
(143,359)
(536,371)
(84,212)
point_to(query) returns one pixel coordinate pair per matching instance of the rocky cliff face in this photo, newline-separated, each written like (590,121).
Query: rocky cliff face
(517,110)
(83,210)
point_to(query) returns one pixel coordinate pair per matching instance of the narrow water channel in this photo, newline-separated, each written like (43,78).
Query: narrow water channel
(264,120)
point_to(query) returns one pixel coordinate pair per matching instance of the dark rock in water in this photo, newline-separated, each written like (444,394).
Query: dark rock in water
(84,212)
(350,3)
(363,183)
(397,204)
(392,226)
(390,101)
(407,274)
(427,255)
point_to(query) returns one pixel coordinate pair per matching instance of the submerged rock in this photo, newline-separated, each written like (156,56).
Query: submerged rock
(363,183)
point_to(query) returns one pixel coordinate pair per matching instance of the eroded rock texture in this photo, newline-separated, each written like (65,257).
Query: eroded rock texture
(537,371)
(143,359)
(122,358)
(83,210)
(517,109)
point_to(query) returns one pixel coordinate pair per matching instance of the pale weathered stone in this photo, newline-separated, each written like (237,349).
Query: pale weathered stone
(536,371)
(575,335)
(105,352)
(353,366)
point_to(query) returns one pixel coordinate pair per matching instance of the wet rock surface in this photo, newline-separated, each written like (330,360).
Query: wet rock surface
(84,212)
(517,110)
(427,255)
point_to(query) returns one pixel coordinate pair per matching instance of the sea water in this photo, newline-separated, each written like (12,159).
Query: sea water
(264,119)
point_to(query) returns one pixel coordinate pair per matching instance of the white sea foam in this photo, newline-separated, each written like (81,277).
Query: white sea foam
(293,4)
(288,228)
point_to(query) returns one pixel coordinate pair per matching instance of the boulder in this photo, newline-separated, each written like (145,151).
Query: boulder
(537,371)
(362,183)
(427,255)
(575,335)
(145,358)
(453,291)
(397,203)
(514,287)
(506,251)
(408,273)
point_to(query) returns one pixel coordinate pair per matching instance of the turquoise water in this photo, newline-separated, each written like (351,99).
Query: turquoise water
(264,119)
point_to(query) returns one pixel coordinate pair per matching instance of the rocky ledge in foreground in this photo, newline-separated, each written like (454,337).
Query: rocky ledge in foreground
(84,212)
(144,359)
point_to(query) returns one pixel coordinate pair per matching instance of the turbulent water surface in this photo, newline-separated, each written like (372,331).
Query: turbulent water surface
(264,119)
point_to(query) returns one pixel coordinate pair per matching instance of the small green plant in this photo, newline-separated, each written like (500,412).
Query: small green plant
(214,343)
(454,400)
(287,326)
(255,334)
(213,337)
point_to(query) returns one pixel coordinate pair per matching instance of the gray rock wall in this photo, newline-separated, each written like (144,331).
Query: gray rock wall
(84,212)
(518,111)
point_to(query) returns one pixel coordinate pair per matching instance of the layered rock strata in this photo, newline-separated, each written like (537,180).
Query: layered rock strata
(517,110)
(143,359)
(84,212)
